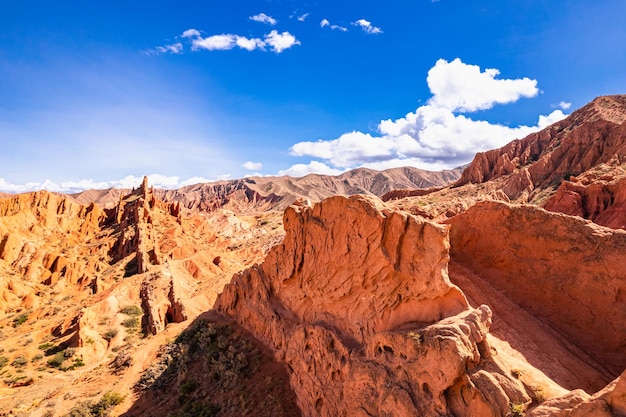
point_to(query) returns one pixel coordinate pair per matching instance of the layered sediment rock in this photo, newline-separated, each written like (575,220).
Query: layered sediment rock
(357,301)
(592,135)
(563,269)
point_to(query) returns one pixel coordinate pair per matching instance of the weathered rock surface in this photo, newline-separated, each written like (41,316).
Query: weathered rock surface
(592,135)
(561,268)
(357,301)
(598,195)
(608,402)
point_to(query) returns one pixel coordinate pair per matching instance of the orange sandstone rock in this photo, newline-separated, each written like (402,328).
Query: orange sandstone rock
(357,301)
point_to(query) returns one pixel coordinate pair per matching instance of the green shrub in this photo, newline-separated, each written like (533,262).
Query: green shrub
(57,360)
(19,362)
(3,361)
(46,346)
(109,334)
(131,310)
(516,410)
(21,319)
(109,400)
(131,323)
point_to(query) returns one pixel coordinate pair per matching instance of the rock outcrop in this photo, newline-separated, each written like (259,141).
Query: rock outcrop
(561,268)
(357,302)
(592,135)
(598,195)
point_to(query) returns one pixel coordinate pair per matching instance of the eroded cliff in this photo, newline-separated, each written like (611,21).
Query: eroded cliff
(357,302)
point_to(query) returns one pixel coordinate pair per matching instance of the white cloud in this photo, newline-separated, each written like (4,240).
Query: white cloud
(564,105)
(175,48)
(461,87)
(263,18)
(252,166)
(367,27)
(303,17)
(325,23)
(433,136)
(249,44)
(280,41)
(277,42)
(313,167)
(191,33)
(215,42)
(130,181)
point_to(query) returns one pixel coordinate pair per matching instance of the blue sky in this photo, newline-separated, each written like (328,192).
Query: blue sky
(100,93)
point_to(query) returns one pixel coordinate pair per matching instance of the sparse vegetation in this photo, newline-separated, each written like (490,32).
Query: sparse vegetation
(537,394)
(3,361)
(131,323)
(21,319)
(100,409)
(109,334)
(517,373)
(197,409)
(57,360)
(19,362)
(516,410)
(220,374)
(46,346)
(131,310)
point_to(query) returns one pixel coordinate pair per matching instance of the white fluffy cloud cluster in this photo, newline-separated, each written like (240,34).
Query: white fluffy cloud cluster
(276,41)
(367,27)
(130,181)
(435,136)
(263,18)
(325,23)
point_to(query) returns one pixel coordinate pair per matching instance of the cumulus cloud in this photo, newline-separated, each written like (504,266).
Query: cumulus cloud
(276,42)
(280,41)
(303,17)
(252,166)
(367,27)
(263,18)
(130,181)
(564,105)
(434,136)
(325,23)
(191,33)
(215,42)
(461,87)
(313,167)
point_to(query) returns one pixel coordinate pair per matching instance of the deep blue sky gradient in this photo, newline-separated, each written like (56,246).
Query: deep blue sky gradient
(84,95)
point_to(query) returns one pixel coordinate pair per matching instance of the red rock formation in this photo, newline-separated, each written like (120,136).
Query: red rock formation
(592,135)
(357,301)
(598,195)
(561,268)
(404,193)
(609,402)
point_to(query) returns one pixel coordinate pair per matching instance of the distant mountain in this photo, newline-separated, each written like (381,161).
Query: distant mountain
(266,193)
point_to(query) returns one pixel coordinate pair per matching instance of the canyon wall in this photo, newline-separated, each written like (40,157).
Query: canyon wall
(563,269)
(358,303)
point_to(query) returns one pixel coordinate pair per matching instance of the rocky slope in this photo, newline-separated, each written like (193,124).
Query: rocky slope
(446,301)
(357,302)
(265,193)
(590,136)
(82,288)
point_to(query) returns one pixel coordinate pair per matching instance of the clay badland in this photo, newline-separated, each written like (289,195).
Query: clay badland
(493,290)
